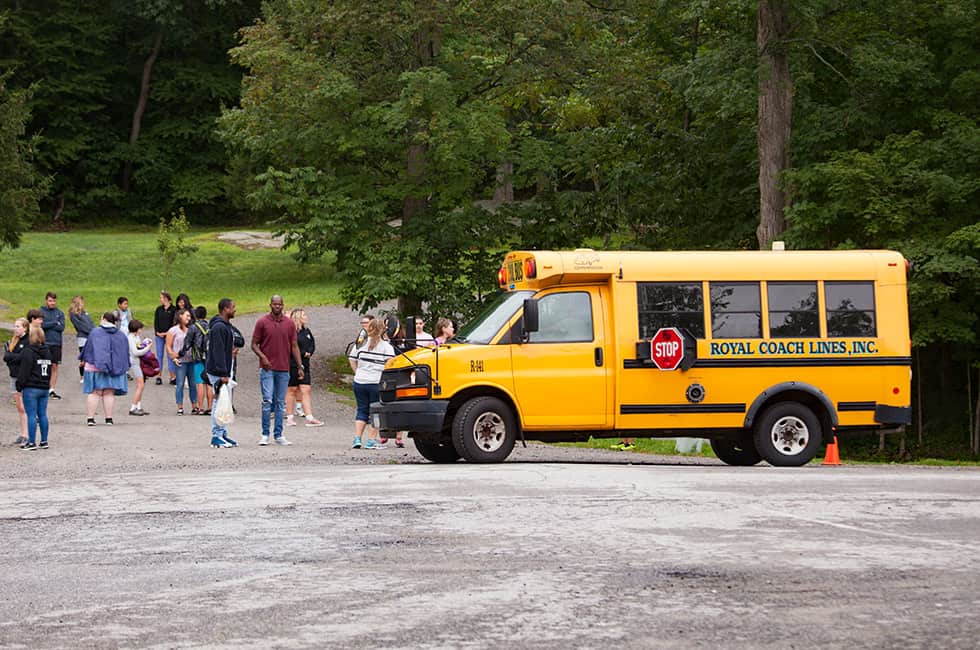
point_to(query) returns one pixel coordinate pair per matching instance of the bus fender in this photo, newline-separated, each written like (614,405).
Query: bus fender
(772,391)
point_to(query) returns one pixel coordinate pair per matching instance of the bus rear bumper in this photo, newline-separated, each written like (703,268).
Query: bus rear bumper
(419,416)
(893,415)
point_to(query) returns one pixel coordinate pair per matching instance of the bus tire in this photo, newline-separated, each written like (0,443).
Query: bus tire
(741,453)
(788,435)
(484,430)
(437,452)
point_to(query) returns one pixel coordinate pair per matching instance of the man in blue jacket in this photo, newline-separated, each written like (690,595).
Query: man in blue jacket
(218,365)
(53,325)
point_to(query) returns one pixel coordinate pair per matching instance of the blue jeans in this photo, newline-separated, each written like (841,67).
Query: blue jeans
(274,384)
(217,430)
(188,370)
(36,405)
(162,355)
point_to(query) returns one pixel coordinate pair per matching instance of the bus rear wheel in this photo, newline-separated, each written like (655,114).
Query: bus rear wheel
(437,452)
(741,453)
(484,430)
(788,435)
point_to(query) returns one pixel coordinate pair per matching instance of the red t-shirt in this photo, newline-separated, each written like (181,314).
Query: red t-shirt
(275,339)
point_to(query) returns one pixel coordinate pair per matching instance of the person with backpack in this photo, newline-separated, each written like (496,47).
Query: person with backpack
(196,347)
(182,359)
(11,356)
(83,325)
(106,358)
(34,382)
(219,363)
(137,348)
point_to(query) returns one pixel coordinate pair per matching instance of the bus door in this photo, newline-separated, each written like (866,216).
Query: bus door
(561,374)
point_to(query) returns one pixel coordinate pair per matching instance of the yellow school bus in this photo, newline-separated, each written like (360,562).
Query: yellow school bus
(767,354)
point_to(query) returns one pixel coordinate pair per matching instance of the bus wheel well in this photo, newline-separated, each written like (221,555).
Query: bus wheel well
(466,395)
(804,397)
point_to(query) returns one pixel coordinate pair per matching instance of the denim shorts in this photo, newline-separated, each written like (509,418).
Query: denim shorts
(364,394)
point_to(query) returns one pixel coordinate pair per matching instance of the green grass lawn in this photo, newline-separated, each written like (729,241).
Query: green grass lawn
(643,446)
(105,264)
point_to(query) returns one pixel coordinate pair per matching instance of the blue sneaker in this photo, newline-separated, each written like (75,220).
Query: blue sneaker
(357,443)
(218,442)
(229,440)
(372,444)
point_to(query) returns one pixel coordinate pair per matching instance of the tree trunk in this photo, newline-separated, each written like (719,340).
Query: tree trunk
(976,421)
(412,206)
(688,116)
(57,221)
(427,43)
(969,405)
(775,116)
(918,393)
(504,192)
(134,132)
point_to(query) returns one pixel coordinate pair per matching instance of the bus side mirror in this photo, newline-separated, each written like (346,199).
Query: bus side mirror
(530,317)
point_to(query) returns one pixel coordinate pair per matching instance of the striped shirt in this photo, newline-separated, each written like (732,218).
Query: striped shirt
(370,363)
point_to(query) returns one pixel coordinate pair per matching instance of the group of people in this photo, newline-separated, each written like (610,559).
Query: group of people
(199,354)
(378,342)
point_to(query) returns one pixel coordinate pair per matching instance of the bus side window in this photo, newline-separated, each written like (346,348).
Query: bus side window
(793,309)
(564,318)
(850,308)
(736,310)
(670,304)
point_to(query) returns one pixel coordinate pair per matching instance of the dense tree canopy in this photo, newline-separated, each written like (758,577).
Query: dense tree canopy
(87,63)
(20,185)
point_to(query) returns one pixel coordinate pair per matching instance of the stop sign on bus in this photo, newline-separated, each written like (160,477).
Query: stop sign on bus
(667,348)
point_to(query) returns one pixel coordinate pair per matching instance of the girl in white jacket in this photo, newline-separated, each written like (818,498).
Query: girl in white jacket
(137,348)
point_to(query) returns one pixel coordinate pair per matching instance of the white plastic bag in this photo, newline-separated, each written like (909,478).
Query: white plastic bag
(224,414)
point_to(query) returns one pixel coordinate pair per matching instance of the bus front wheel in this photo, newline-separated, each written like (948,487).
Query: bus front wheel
(437,452)
(788,435)
(484,430)
(741,453)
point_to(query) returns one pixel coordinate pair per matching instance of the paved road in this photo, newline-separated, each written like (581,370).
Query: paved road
(515,555)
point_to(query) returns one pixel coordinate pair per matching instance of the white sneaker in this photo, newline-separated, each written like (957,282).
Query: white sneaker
(281,440)
(290,422)
(299,410)
(263,441)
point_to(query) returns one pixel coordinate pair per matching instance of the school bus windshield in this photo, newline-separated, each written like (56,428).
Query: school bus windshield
(484,327)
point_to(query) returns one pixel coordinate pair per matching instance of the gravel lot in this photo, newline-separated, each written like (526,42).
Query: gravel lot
(163,441)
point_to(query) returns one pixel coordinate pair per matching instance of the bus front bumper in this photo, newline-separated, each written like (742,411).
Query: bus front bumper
(419,416)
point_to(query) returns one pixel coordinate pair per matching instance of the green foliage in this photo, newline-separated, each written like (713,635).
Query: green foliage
(171,243)
(914,193)
(85,62)
(377,149)
(20,185)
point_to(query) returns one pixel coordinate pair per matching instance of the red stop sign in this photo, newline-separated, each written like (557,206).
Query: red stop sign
(667,348)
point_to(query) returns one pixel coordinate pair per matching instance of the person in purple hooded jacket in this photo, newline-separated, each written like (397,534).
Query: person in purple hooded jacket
(106,360)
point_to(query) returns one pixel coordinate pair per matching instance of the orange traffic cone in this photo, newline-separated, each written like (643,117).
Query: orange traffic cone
(833,456)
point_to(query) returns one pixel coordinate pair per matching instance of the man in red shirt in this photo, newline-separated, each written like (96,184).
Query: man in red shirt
(273,342)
